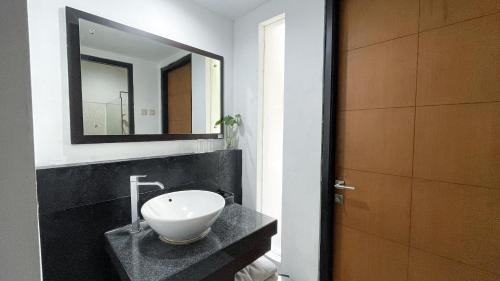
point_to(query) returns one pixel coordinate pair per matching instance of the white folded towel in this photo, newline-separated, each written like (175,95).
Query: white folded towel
(260,270)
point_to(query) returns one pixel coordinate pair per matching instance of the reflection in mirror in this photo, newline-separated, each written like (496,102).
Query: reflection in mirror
(135,85)
(107,96)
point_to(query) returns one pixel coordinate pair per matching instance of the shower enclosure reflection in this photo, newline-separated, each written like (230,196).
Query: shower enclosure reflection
(107,96)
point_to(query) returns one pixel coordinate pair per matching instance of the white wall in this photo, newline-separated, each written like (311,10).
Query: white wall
(245,88)
(19,245)
(302,124)
(175,19)
(302,137)
(177,56)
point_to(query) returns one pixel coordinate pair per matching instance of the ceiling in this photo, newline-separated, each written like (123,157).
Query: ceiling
(104,38)
(127,44)
(230,8)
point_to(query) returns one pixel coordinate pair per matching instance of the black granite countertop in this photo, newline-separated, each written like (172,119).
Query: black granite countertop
(239,236)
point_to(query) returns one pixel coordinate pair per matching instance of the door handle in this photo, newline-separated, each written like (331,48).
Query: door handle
(339,184)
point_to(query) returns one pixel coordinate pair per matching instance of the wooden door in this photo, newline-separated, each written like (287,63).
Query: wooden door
(416,143)
(179,113)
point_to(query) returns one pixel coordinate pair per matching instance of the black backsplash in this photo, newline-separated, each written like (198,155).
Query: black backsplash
(77,204)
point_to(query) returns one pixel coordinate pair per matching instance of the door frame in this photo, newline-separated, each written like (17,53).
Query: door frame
(164,89)
(330,93)
(130,83)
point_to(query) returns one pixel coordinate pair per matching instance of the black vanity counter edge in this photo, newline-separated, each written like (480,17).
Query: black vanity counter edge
(238,237)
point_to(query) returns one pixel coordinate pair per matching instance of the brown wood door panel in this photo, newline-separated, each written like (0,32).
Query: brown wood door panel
(179,112)
(418,144)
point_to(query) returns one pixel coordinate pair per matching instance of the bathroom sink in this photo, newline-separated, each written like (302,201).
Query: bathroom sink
(183,217)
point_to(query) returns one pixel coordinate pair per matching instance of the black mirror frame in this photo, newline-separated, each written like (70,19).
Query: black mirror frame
(75,82)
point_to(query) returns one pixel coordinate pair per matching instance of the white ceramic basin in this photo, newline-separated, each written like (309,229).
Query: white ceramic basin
(183,217)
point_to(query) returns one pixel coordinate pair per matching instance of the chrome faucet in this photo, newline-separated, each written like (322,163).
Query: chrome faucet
(134,200)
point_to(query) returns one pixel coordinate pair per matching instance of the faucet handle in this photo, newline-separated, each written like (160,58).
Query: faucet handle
(137,177)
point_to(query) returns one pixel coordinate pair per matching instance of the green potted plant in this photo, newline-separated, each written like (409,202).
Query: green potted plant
(230,124)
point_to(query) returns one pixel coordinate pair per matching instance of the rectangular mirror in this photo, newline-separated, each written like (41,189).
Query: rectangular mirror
(129,85)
